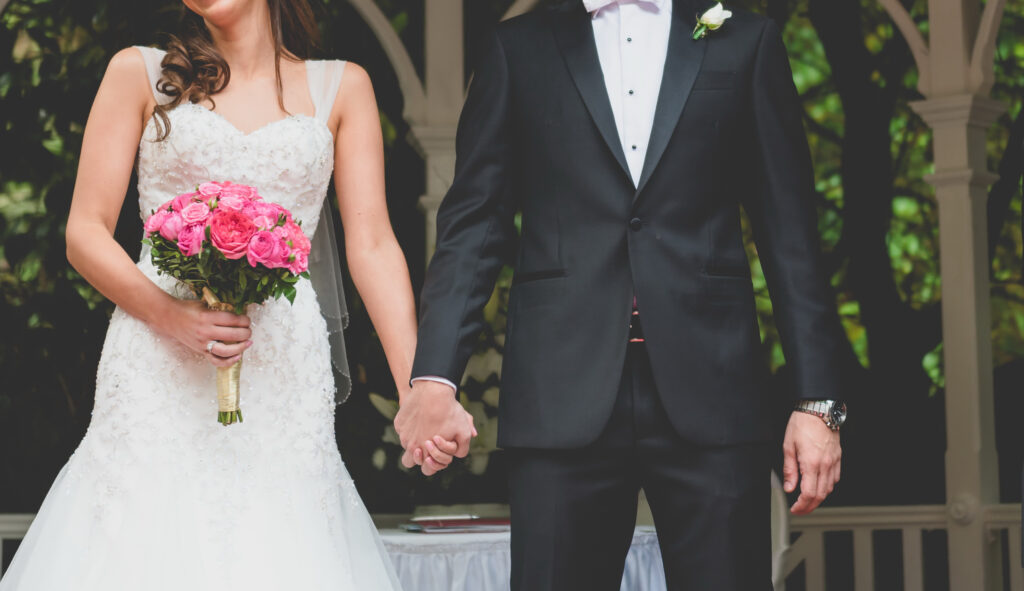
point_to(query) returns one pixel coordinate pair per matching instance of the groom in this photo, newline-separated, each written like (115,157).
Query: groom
(633,358)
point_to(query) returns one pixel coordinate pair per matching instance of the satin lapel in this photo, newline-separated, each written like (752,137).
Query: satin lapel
(682,64)
(575,36)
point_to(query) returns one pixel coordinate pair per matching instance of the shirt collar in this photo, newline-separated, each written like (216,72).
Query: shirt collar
(595,6)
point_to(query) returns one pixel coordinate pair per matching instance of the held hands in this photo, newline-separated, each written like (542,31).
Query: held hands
(812,457)
(195,326)
(433,427)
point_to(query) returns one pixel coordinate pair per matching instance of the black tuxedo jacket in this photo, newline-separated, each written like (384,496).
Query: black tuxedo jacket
(537,135)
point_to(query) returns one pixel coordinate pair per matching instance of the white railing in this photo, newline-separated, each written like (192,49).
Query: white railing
(911,521)
(809,549)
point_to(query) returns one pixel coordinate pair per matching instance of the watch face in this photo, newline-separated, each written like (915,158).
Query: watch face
(838,413)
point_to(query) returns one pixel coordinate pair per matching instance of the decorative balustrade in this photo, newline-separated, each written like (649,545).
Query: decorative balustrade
(911,521)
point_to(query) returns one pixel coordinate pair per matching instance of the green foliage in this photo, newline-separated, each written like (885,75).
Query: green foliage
(53,55)
(912,236)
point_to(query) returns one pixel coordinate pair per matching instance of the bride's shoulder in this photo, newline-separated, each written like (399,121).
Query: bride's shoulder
(354,98)
(355,78)
(127,71)
(130,60)
(355,84)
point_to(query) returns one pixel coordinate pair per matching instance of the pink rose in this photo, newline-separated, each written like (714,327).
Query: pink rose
(255,209)
(156,221)
(264,222)
(190,239)
(231,202)
(299,262)
(209,190)
(297,237)
(241,191)
(181,201)
(195,213)
(266,249)
(230,232)
(172,226)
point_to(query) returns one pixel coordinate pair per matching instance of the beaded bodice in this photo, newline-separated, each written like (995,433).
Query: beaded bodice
(290,161)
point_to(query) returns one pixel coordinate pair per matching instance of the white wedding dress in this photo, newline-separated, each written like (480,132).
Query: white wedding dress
(159,496)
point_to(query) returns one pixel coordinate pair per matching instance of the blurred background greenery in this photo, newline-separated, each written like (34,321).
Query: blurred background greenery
(878,224)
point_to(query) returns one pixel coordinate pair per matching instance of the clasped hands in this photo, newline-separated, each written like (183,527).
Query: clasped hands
(433,427)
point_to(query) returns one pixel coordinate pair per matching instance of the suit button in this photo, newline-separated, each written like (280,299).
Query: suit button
(635,224)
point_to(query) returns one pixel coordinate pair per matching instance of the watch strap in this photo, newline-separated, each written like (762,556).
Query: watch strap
(819,408)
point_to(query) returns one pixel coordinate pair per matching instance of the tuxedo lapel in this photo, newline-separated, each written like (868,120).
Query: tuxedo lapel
(682,64)
(575,36)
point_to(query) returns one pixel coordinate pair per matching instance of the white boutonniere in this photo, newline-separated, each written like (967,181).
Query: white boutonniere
(711,20)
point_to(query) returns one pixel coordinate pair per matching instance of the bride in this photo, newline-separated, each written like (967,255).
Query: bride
(158,495)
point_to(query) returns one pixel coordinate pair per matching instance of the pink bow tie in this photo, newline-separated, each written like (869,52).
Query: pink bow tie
(593,6)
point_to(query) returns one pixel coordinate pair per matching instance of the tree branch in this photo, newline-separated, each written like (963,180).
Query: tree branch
(1011,167)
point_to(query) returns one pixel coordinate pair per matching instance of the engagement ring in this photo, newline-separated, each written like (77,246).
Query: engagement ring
(209,346)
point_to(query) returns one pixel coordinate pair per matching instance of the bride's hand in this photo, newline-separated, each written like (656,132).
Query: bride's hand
(194,325)
(440,453)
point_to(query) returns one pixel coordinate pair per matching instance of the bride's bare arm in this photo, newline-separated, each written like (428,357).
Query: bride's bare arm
(111,140)
(375,259)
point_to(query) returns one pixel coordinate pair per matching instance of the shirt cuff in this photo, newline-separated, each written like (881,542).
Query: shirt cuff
(437,379)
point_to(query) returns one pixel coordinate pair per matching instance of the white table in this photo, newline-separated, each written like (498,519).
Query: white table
(481,562)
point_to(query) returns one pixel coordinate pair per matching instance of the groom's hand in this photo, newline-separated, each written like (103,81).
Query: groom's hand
(431,410)
(812,457)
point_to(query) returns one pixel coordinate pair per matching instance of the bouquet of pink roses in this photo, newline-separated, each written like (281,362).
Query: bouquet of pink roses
(233,249)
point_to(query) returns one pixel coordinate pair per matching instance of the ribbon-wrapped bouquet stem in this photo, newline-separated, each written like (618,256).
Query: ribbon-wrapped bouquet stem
(232,249)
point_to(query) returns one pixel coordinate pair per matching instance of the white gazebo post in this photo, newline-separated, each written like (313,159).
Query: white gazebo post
(433,133)
(433,130)
(956,74)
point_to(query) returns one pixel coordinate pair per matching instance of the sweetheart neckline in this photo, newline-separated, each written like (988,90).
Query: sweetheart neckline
(249,134)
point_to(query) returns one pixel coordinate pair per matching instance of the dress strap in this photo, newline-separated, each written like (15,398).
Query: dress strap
(153,58)
(324,81)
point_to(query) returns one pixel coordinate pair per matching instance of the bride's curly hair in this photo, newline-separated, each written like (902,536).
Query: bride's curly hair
(194,71)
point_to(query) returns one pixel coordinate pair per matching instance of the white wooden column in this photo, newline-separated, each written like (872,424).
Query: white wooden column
(433,134)
(956,73)
(961,182)
(433,130)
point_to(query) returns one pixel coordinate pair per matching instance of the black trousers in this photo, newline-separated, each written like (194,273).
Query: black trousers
(574,511)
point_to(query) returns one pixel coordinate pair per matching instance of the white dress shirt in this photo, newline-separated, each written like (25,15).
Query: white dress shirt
(632,42)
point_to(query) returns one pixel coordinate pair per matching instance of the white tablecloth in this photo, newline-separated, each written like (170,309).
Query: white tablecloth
(481,562)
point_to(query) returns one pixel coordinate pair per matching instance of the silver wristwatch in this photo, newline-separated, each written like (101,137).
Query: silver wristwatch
(832,412)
